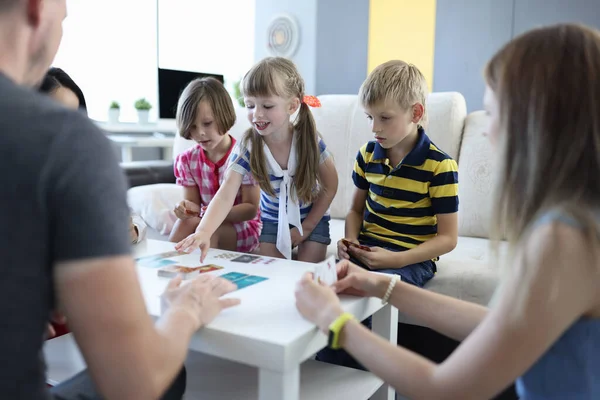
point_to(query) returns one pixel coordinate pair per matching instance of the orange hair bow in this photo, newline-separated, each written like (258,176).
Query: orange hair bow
(312,101)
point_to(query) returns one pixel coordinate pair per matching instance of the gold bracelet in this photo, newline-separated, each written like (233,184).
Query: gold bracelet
(388,292)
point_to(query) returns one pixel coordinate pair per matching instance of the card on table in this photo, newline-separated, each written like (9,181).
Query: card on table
(172,271)
(246,258)
(349,244)
(326,272)
(249,281)
(243,280)
(233,276)
(227,256)
(157,263)
(155,257)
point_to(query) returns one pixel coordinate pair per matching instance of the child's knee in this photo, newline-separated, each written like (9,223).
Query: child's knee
(225,237)
(182,229)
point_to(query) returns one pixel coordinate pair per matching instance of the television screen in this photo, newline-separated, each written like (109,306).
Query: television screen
(170,85)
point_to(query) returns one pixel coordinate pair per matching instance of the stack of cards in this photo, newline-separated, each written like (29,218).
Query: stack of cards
(227,256)
(349,244)
(172,271)
(326,272)
(245,258)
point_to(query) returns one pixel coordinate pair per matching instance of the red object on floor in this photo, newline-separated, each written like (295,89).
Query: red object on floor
(61,329)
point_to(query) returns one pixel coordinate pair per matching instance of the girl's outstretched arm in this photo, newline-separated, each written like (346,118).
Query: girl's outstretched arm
(215,214)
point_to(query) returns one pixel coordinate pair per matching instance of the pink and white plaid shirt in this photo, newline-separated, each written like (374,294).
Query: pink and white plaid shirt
(193,168)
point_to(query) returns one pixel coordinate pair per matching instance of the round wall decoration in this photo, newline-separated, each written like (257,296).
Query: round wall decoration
(283,36)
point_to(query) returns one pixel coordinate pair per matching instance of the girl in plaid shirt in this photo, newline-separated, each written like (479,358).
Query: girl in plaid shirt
(205,114)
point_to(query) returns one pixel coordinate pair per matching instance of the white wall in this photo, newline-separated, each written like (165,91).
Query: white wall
(305,12)
(207,36)
(109,47)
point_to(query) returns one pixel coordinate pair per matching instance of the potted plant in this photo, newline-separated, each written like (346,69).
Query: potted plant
(143,107)
(114,111)
(237,93)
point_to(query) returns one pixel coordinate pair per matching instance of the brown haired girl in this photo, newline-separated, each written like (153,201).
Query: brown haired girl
(205,114)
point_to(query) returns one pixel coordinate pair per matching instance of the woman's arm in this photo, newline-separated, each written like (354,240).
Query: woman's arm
(550,288)
(329,185)
(447,315)
(248,208)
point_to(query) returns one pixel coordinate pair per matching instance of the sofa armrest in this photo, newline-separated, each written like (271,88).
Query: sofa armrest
(141,173)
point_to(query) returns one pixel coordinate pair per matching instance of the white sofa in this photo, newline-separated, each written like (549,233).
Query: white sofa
(466,272)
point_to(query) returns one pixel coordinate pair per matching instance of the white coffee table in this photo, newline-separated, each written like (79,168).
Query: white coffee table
(265,330)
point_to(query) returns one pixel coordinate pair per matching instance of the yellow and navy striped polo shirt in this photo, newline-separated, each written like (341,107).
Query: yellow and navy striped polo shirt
(403,201)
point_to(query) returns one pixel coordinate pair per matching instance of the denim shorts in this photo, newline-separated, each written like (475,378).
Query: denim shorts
(320,234)
(416,274)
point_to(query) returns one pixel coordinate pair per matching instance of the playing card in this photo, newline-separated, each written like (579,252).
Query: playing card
(155,257)
(209,267)
(233,276)
(249,281)
(349,244)
(157,263)
(325,272)
(171,271)
(246,258)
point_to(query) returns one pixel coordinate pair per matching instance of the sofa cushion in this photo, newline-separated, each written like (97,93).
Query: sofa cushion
(475,178)
(155,204)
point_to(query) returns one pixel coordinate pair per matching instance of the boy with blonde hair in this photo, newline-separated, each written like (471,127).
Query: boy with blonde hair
(405,206)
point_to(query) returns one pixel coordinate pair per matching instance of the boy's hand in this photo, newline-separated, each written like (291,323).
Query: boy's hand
(187,209)
(343,249)
(377,258)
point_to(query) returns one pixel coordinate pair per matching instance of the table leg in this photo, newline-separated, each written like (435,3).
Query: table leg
(279,385)
(126,154)
(385,324)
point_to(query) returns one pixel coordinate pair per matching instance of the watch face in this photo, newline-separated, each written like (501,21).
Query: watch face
(330,339)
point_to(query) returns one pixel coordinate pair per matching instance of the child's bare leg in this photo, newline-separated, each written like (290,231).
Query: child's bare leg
(269,250)
(183,228)
(313,252)
(224,238)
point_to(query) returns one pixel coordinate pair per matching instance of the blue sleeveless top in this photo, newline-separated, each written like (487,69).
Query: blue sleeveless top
(570,369)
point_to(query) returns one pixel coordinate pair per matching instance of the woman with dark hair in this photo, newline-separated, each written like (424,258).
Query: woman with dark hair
(59,85)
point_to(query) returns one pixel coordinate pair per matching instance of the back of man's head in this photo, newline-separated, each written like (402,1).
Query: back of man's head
(395,82)
(6,5)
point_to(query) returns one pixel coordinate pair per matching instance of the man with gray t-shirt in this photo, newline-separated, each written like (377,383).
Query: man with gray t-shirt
(64,240)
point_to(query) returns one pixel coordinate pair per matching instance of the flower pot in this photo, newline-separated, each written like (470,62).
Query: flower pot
(143,116)
(113,115)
